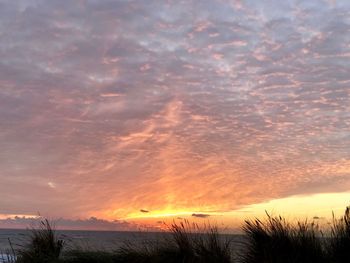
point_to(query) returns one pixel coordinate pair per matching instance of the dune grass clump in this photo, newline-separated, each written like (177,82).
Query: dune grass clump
(147,253)
(82,256)
(200,244)
(212,248)
(187,244)
(339,242)
(43,246)
(277,241)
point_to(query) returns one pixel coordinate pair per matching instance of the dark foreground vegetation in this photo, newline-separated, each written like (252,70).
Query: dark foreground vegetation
(272,240)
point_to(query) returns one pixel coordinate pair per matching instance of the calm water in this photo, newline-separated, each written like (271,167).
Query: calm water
(107,240)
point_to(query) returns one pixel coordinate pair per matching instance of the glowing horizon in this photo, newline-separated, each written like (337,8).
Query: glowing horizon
(319,208)
(119,113)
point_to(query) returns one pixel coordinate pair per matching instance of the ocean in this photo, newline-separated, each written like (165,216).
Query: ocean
(97,240)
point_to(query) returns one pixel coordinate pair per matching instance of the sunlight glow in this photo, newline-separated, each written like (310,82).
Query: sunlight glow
(164,213)
(299,206)
(7,216)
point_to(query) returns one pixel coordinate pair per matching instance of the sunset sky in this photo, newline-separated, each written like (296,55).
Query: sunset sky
(115,114)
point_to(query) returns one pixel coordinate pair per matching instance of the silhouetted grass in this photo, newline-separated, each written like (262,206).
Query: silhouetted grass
(43,246)
(147,253)
(82,256)
(272,240)
(339,243)
(277,241)
(188,243)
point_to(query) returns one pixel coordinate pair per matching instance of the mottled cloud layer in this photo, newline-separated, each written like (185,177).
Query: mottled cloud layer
(109,107)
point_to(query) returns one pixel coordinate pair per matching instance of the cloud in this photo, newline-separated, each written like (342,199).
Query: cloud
(318,218)
(92,223)
(109,106)
(51,185)
(144,211)
(200,215)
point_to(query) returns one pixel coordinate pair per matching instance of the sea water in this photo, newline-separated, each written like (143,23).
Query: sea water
(97,240)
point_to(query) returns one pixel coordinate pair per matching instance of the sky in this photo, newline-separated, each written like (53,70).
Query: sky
(116,114)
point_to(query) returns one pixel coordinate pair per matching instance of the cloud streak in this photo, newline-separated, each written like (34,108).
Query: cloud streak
(91,223)
(201,215)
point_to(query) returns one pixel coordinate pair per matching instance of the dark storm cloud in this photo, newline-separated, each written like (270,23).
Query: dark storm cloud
(109,105)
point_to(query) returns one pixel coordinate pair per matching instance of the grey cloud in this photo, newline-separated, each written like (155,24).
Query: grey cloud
(92,223)
(200,215)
